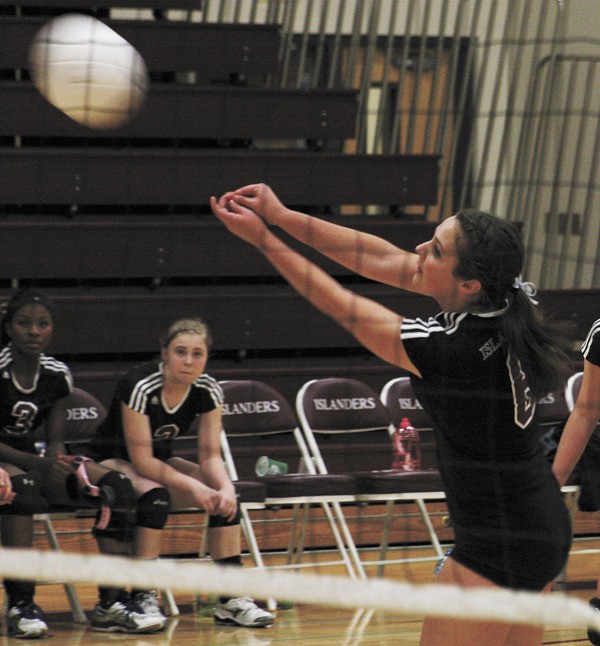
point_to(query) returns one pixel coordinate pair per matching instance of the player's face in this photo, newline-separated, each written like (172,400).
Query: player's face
(435,268)
(185,357)
(30,330)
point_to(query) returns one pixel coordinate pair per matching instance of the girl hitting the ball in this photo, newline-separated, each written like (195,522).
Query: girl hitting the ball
(33,392)
(477,368)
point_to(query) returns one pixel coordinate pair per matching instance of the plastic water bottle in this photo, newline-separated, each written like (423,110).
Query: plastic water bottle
(406,447)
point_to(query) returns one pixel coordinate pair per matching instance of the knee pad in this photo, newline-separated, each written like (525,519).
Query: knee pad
(115,517)
(152,509)
(221,521)
(28,500)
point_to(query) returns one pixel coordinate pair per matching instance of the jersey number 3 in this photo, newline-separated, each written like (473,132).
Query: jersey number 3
(24,414)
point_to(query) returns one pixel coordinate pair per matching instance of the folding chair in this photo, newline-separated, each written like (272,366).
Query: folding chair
(347,428)
(258,420)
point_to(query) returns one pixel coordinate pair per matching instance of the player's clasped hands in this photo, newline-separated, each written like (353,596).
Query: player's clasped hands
(6,492)
(214,502)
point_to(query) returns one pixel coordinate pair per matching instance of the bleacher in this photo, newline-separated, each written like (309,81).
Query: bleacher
(115,225)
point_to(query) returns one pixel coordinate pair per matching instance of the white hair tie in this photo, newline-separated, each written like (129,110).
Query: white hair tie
(528,288)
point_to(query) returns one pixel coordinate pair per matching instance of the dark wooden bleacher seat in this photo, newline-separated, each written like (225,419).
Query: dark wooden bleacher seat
(190,176)
(180,111)
(213,50)
(243,317)
(126,246)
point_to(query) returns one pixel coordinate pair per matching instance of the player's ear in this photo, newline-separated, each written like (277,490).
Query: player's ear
(470,287)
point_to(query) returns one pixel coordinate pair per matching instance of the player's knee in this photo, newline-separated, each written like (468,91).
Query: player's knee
(116,488)
(222,521)
(28,500)
(152,509)
(119,490)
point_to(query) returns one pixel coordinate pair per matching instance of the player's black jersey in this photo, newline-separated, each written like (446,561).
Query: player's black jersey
(504,502)
(591,346)
(141,390)
(23,410)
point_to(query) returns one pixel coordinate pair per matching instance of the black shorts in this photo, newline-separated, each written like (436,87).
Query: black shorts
(523,560)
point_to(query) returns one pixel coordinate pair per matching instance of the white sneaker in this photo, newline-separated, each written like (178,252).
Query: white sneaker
(124,618)
(26,621)
(243,612)
(148,602)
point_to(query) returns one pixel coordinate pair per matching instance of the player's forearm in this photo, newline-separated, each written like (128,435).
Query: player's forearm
(363,253)
(21,459)
(574,439)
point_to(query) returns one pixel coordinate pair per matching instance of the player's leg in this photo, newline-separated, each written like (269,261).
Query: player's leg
(25,619)
(456,632)
(118,610)
(225,547)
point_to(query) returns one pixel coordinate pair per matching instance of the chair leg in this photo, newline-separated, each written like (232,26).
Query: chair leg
(571,498)
(385,536)
(76,608)
(351,545)
(430,530)
(170,604)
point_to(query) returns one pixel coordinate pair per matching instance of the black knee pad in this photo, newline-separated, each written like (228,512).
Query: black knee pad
(116,493)
(221,521)
(152,509)
(28,499)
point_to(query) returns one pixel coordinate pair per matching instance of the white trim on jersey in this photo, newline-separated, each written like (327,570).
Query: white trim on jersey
(54,365)
(139,395)
(212,386)
(5,357)
(420,329)
(587,344)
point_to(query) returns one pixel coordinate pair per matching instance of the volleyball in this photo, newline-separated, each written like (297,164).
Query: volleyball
(87,70)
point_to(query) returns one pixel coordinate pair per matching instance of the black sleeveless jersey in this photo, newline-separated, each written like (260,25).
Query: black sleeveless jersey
(510,522)
(141,390)
(22,410)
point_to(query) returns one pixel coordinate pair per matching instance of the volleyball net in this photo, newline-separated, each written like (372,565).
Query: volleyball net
(489,604)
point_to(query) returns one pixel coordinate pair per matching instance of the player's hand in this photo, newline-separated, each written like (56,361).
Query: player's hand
(240,220)
(227,503)
(206,498)
(261,199)
(6,492)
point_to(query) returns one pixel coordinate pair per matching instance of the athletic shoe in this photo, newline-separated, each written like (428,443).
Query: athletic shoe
(594,635)
(243,612)
(148,602)
(26,621)
(124,618)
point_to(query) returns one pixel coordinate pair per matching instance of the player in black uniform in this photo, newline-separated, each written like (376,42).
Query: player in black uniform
(33,388)
(157,402)
(477,368)
(580,426)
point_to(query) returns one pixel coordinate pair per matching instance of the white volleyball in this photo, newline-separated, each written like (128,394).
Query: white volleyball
(87,70)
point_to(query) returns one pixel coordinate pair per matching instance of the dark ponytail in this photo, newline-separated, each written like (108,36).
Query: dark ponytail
(490,250)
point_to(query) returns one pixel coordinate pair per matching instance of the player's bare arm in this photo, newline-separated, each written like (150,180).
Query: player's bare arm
(375,326)
(363,253)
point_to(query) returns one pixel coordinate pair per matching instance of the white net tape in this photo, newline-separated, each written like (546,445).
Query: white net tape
(383,594)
